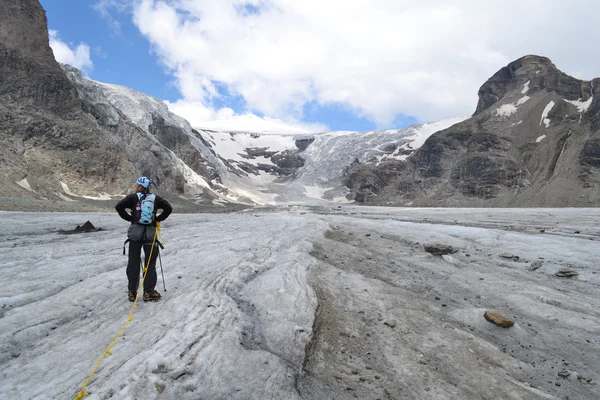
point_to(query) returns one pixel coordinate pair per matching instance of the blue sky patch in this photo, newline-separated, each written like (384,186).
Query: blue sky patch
(123,58)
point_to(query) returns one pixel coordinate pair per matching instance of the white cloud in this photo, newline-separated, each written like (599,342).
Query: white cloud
(104,8)
(380,58)
(203,117)
(78,56)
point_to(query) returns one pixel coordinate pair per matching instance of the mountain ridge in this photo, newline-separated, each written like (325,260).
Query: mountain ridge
(533,140)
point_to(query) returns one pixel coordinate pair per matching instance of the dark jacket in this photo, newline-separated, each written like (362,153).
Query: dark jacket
(130,201)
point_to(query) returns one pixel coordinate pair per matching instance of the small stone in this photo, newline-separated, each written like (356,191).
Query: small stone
(390,322)
(564,374)
(535,265)
(160,369)
(159,388)
(499,318)
(566,273)
(439,249)
(509,256)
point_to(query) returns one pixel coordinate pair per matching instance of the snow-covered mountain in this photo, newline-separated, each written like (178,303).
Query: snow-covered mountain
(71,139)
(295,168)
(247,167)
(533,140)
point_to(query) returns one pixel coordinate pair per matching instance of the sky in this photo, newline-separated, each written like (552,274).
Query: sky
(317,65)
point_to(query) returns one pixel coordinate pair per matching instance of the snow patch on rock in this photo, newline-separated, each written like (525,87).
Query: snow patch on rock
(544,117)
(24,184)
(582,106)
(506,110)
(101,196)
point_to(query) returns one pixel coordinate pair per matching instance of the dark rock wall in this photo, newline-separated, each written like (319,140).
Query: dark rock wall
(29,75)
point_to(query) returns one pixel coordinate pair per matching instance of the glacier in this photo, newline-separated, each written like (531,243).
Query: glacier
(306,302)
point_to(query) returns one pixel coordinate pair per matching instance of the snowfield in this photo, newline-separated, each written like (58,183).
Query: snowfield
(296,302)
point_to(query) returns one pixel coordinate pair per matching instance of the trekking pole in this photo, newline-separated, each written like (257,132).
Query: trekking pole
(142,270)
(161,271)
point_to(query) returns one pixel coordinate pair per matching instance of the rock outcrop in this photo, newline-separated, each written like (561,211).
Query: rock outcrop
(533,140)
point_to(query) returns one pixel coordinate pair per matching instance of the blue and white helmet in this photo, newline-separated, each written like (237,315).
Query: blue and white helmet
(145,182)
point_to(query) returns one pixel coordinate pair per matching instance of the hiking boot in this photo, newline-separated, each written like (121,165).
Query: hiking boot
(131,295)
(151,295)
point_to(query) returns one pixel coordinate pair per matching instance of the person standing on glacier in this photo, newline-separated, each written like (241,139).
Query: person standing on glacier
(142,206)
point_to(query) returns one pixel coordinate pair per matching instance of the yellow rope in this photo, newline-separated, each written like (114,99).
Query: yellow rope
(82,393)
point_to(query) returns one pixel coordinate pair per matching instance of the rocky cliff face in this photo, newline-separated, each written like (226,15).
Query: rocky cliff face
(65,137)
(29,75)
(39,111)
(159,144)
(533,140)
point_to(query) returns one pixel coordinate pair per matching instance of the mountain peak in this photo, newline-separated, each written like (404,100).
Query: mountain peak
(541,74)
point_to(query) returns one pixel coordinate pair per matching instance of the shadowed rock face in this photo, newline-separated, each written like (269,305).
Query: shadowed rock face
(591,153)
(303,144)
(482,176)
(288,162)
(29,75)
(594,111)
(533,140)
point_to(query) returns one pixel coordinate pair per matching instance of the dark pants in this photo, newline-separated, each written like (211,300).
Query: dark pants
(133,266)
